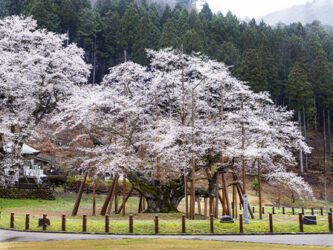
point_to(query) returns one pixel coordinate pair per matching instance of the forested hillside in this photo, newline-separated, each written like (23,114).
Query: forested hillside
(315,10)
(293,63)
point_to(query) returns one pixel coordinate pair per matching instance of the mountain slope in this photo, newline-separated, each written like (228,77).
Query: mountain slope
(316,10)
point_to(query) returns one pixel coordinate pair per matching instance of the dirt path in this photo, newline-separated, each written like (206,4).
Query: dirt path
(309,239)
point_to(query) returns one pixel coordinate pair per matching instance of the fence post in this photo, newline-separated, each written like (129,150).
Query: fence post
(12,220)
(27,221)
(303,210)
(253,209)
(131,224)
(293,209)
(283,212)
(241,223)
(183,224)
(63,223)
(240,206)
(321,211)
(84,223)
(330,223)
(312,211)
(107,223)
(156,224)
(263,210)
(273,210)
(211,223)
(44,222)
(271,223)
(301,222)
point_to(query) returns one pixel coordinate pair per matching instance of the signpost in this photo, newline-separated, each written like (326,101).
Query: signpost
(246,213)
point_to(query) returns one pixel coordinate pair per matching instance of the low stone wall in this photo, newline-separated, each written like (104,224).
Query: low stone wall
(42,194)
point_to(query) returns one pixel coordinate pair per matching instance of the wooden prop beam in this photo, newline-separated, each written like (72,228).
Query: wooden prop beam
(140,204)
(108,197)
(94,194)
(259,186)
(113,194)
(240,192)
(124,202)
(79,195)
(116,198)
(226,195)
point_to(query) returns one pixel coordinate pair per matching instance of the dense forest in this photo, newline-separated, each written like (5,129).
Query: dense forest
(292,62)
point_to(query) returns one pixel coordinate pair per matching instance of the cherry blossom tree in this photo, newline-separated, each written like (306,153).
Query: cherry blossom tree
(36,73)
(156,126)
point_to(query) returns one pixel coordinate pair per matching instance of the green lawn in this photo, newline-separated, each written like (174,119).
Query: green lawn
(143,223)
(145,244)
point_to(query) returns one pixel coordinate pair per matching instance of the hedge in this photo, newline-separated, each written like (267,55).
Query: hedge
(41,194)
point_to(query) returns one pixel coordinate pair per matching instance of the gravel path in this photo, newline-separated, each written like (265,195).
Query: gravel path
(308,239)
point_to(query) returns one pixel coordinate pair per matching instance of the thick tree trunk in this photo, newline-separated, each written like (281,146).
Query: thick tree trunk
(163,198)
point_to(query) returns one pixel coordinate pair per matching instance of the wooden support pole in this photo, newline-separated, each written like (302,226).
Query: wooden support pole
(273,210)
(259,189)
(240,191)
(27,220)
(283,211)
(183,122)
(63,222)
(270,223)
(199,205)
(312,211)
(205,208)
(140,204)
(293,211)
(321,211)
(79,196)
(109,195)
(44,222)
(234,206)
(241,223)
(84,223)
(226,195)
(183,224)
(222,200)
(211,205)
(115,185)
(303,210)
(330,223)
(107,223)
(263,210)
(94,194)
(300,218)
(116,198)
(124,201)
(123,206)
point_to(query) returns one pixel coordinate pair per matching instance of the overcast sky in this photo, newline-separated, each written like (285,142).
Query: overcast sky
(252,8)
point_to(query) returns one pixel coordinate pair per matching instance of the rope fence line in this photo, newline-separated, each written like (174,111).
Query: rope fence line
(157,225)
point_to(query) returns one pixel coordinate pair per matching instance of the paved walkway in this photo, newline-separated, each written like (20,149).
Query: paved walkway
(306,239)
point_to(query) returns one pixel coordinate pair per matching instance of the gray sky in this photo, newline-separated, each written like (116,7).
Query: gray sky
(252,8)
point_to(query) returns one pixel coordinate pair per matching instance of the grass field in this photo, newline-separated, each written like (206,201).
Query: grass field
(148,244)
(143,223)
